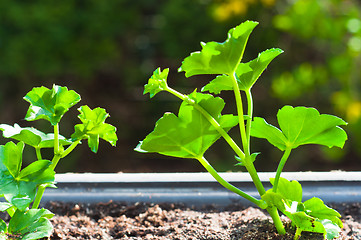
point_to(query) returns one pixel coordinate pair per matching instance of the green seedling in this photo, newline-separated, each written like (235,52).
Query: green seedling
(23,188)
(200,123)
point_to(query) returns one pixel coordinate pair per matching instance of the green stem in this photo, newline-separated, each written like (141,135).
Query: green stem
(282,163)
(229,186)
(273,212)
(55,161)
(250,115)
(245,158)
(70,148)
(244,136)
(56,158)
(297,234)
(211,119)
(56,139)
(38,153)
(39,196)
(240,112)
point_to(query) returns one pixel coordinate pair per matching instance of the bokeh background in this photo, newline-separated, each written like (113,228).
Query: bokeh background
(107,50)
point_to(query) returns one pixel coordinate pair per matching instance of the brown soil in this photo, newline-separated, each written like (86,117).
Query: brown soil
(168,221)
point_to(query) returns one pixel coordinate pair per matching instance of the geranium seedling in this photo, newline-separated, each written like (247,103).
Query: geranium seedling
(200,122)
(23,188)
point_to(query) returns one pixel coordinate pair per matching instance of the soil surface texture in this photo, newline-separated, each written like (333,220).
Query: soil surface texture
(169,221)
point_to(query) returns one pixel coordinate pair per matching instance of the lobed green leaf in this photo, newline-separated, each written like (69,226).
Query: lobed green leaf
(157,82)
(291,190)
(300,126)
(189,134)
(5,206)
(11,158)
(31,136)
(312,215)
(32,224)
(316,208)
(246,73)
(50,104)
(93,127)
(219,58)
(19,186)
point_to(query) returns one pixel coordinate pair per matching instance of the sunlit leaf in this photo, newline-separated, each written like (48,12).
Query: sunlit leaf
(157,82)
(19,186)
(189,134)
(316,208)
(305,222)
(291,190)
(93,127)
(32,224)
(50,104)
(31,136)
(312,215)
(219,58)
(247,73)
(220,83)
(299,126)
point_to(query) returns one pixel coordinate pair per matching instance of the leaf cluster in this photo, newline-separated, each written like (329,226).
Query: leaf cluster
(200,122)
(311,215)
(23,188)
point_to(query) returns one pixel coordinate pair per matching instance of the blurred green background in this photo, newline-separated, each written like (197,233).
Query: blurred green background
(107,50)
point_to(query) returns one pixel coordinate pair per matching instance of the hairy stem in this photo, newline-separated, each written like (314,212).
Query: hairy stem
(282,163)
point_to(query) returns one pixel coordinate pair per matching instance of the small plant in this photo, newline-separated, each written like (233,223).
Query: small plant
(200,123)
(23,188)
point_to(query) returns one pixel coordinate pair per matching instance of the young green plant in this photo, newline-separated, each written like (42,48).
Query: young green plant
(23,188)
(200,123)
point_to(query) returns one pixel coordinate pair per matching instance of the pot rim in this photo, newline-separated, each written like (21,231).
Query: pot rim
(195,189)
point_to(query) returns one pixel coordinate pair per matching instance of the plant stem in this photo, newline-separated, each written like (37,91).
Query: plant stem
(55,160)
(39,196)
(211,119)
(57,154)
(229,186)
(298,233)
(240,112)
(56,139)
(273,212)
(244,136)
(250,115)
(70,148)
(38,153)
(282,163)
